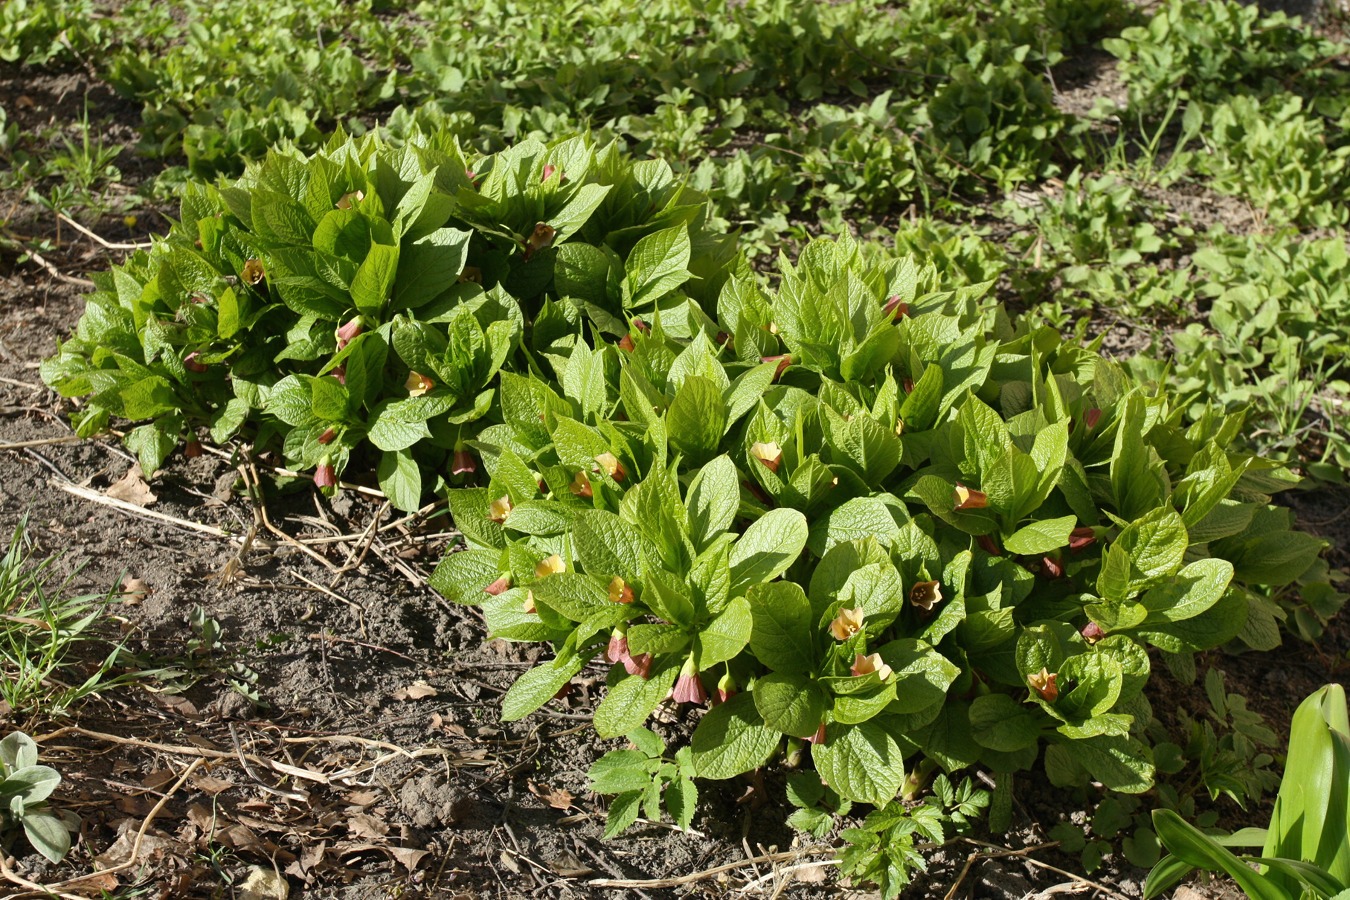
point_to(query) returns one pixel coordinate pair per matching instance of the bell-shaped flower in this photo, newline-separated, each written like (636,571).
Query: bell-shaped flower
(847,623)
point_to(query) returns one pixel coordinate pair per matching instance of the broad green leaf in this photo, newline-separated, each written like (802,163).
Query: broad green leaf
(725,636)
(538,686)
(861,762)
(732,739)
(401,480)
(375,279)
(771,544)
(1041,536)
(629,703)
(783,622)
(792,704)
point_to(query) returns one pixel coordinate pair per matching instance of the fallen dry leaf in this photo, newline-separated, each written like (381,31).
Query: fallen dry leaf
(211,785)
(131,488)
(364,825)
(415,691)
(264,884)
(407,856)
(558,798)
(134,590)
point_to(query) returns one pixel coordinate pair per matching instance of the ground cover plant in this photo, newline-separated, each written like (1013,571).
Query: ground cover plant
(906,536)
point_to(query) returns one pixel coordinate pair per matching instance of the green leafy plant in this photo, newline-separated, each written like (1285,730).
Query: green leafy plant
(363,300)
(24,789)
(642,780)
(1305,851)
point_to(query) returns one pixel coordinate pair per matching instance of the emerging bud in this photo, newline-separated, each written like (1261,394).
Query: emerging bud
(619,591)
(907,385)
(340,373)
(725,340)
(348,200)
(988,545)
(190,363)
(784,360)
(325,476)
(328,435)
(899,427)
(1082,537)
(866,665)
(895,307)
(499,509)
(548,172)
(969,498)
(254,273)
(581,486)
(471,274)
(726,688)
(642,326)
(501,585)
(770,454)
(540,238)
(418,384)
(848,623)
(1051,567)
(527,605)
(1043,683)
(462,463)
(1092,632)
(610,465)
(1091,418)
(347,333)
(638,665)
(689,687)
(552,565)
(819,737)
(626,343)
(193,448)
(925,594)
(617,651)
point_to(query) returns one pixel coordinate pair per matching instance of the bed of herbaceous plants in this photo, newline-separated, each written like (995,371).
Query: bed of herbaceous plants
(875,525)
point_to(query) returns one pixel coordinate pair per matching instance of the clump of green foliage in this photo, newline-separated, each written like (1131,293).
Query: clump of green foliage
(863,514)
(24,788)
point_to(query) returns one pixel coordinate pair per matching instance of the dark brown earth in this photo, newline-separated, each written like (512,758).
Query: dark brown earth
(334,659)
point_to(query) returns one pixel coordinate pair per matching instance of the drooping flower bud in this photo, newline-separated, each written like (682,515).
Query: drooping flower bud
(1082,537)
(499,509)
(340,373)
(969,498)
(1092,632)
(1043,683)
(551,565)
(347,333)
(770,454)
(350,199)
(462,463)
(725,340)
(610,465)
(641,326)
(1052,567)
(617,651)
(988,545)
(907,385)
(626,343)
(500,586)
(689,687)
(866,665)
(548,172)
(328,435)
(192,365)
(847,623)
(895,307)
(1091,418)
(418,384)
(541,237)
(726,688)
(638,665)
(581,486)
(620,591)
(254,273)
(819,737)
(925,594)
(325,476)
(193,448)
(783,359)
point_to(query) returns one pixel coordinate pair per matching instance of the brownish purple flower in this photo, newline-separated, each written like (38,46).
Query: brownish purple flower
(1082,537)
(783,359)
(610,465)
(192,365)
(581,486)
(969,498)
(1043,683)
(689,687)
(895,307)
(498,587)
(770,454)
(541,237)
(462,463)
(254,273)
(328,435)
(726,688)
(347,333)
(325,476)
(925,595)
(620,591)
(1092,632)
(638,665)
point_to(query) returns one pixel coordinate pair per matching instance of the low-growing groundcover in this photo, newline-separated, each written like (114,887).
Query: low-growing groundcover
(876,527)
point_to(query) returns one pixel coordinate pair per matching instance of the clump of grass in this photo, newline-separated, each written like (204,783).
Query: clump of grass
(52,654)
